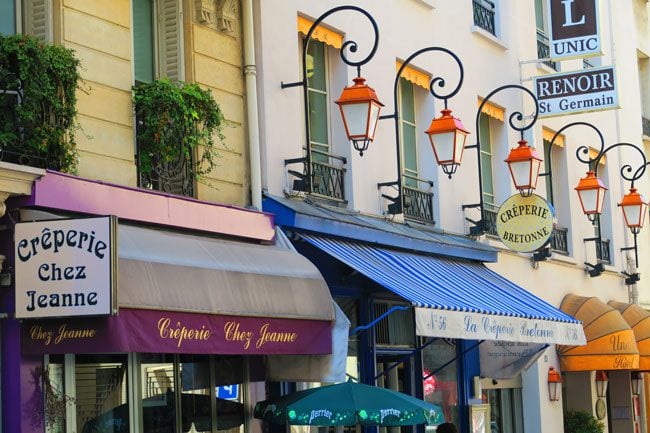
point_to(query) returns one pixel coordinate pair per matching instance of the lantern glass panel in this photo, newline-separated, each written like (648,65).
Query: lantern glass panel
(589,200)
(521,173)
(634,215)
(444,146)
(461,137)
(372,121)
(356,119)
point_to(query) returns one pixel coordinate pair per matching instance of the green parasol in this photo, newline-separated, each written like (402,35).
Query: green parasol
(348,403)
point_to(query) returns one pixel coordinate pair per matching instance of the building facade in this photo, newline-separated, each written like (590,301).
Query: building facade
(334,193)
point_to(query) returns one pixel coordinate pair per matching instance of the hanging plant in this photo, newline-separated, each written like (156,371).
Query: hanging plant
(39,123)
(173,120)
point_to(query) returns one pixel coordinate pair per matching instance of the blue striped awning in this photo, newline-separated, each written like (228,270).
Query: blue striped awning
(457,298)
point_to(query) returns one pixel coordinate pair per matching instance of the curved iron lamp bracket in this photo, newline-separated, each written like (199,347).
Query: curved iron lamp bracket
(480,227)
(435,86)
(348,46)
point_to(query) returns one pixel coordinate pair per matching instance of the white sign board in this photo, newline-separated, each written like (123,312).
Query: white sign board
(576,92)
(525,224)
(574,29)
(430,322)
(66,268)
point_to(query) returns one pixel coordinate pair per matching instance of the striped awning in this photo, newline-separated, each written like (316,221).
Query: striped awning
(457,298)
(639,320)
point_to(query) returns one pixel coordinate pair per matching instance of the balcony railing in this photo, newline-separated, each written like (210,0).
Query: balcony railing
(602,251)
(490,222)
(171,175)
(327,177)
(484,11)
(544,50)
(418,204)
(13,136)
(645,124)
(559,240)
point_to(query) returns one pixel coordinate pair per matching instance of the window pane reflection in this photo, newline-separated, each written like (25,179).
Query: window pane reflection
(229,374)
(441,385)
(158,404)
(101,393)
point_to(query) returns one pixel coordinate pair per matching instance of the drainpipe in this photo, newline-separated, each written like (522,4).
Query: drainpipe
(250,72)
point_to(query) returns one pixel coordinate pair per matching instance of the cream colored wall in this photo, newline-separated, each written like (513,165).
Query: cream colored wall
(214,60)
(99,33)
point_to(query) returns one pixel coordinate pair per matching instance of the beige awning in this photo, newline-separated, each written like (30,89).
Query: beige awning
(162,270)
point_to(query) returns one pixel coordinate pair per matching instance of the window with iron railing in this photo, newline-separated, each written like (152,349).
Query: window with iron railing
(327,175)
(484,15)
(418,203)
(490,222)
(559,240)
(602,251)
(395,330)
(544,50)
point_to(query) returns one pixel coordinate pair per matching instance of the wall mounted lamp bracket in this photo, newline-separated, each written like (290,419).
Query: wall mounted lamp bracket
(542,254)
(594,270)
(631,278)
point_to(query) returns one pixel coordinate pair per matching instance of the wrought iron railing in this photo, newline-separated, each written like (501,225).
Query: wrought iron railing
(544,50)
(559,240)
(645,124)
(12,136)
(327,177)
(490,222)
(418,204)
(484,11)
(602,252)
(173,175)
(586,64)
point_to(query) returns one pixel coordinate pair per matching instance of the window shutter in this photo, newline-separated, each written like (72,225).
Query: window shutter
(170,39)
(38,19)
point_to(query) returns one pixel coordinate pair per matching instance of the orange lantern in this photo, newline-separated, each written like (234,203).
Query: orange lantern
(554,384)
(447,135)
(591,192)
(524,163)
(360,109)
(634,210)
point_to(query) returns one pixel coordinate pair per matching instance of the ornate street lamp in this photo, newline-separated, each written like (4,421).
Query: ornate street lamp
(448,131)
(554,384)
(591,193)
(634,210)
(525,175)
(360,109)
(359,104)
(447,135)
(524,163)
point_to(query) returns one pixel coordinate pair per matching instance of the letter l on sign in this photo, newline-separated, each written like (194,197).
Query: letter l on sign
(568,16)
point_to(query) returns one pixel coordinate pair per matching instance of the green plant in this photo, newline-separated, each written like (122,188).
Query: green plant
(578,421)
(174,119)
(42,125)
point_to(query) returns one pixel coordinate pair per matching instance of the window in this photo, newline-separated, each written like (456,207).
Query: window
(484,15)
(541,24)
(7,17)
(487,179)
(318,100)
(440,376)
(157,40)
(554,161)
(548,155)
(644,93)
(408,130)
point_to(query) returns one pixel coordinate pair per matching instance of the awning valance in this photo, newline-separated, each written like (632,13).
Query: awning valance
(413,75)
(611,344)
(321,33)
(456,298)
(639,321)
(492,110)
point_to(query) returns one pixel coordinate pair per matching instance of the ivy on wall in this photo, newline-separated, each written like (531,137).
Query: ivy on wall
(40,124)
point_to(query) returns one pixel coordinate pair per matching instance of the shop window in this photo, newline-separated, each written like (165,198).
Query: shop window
(506,410)
(229,376)
(55,397)
(158,393)
(101,393)
(351,310)
(440,377)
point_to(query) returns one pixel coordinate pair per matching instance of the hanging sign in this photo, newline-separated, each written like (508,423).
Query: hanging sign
(576,92)
(525,224)
(574,29)
(66,267)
